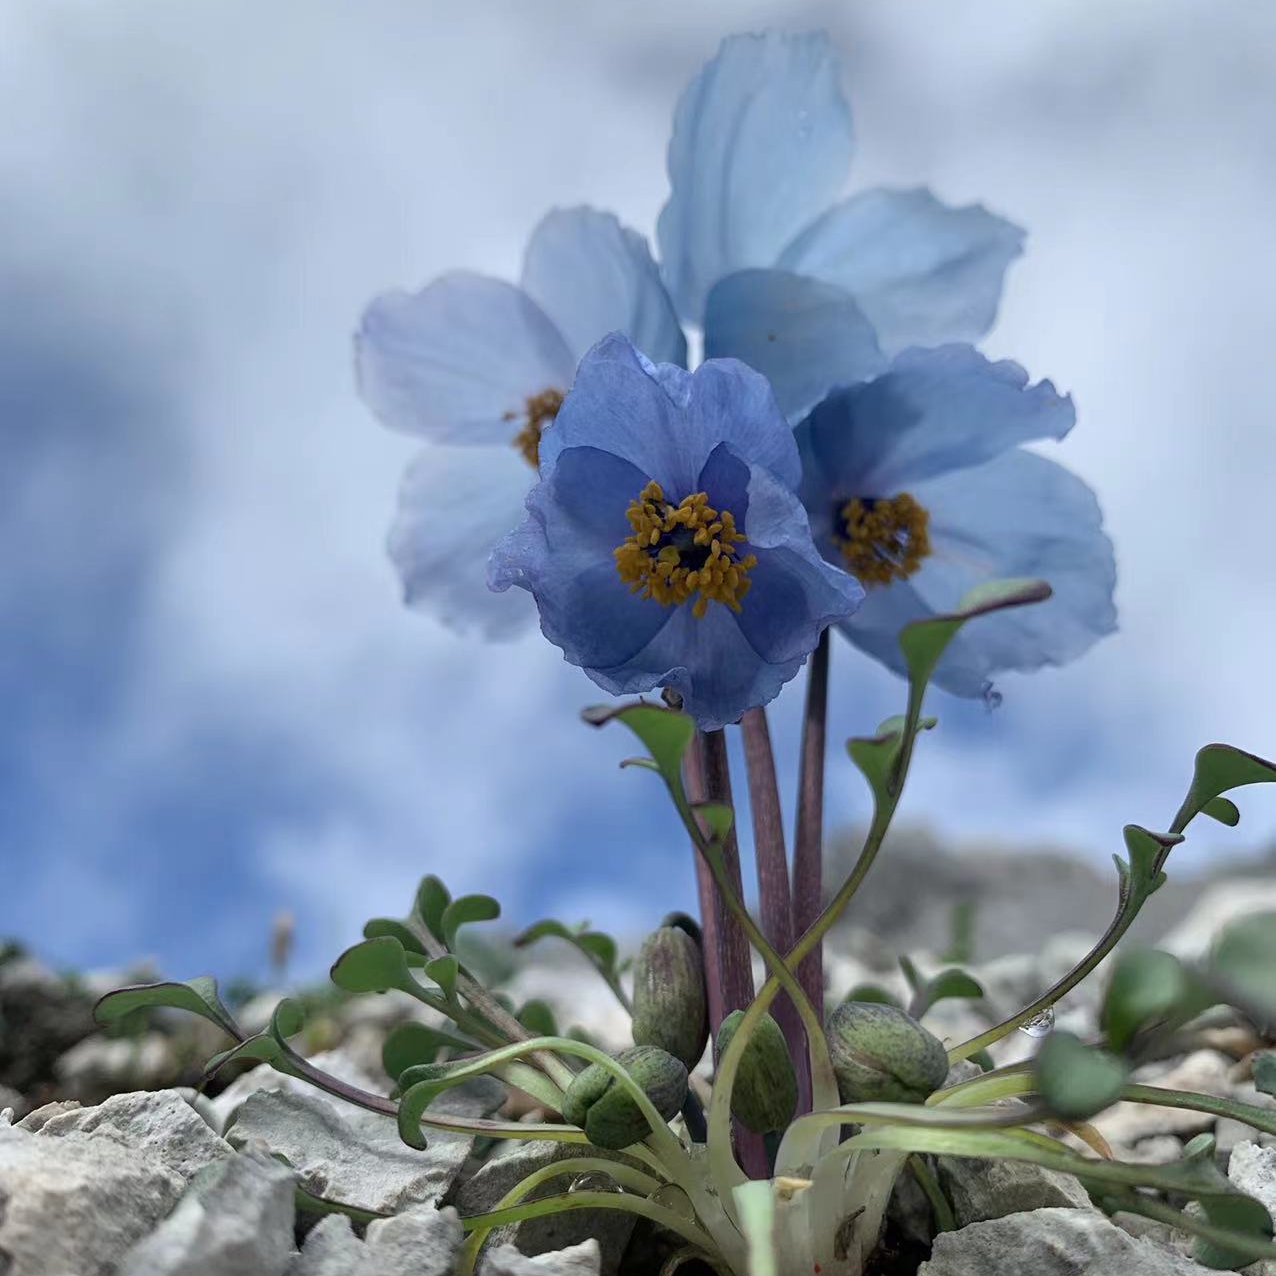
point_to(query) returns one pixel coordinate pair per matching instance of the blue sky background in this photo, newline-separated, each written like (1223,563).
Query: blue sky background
(213,705)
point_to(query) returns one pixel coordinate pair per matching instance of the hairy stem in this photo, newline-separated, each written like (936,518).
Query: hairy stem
(809,831)
(775,906)
(707,893)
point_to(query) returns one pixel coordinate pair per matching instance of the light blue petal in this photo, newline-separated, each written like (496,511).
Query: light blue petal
(456,361)
(761,144)
(454,505)
(593,276)
(804,335)
(666,421)
(562,554)
(708,661)
(931,412)
(923,272)
(1019,515)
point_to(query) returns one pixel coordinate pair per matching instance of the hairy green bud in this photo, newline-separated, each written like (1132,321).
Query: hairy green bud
(597,1102)
(764,1097)
(880,1054)
(671,1006)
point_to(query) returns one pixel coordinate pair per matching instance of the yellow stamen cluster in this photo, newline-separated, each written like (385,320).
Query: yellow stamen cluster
(677,551)
(539,410)
(884,539)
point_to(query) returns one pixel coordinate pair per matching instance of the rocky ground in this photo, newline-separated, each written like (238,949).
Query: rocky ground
(112,1163)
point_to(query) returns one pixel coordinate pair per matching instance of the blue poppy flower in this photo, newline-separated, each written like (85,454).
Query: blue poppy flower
(814,293)
(480,366)
(665,544)
(916,482)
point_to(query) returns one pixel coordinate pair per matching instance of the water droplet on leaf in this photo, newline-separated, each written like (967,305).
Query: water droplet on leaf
(1039,1025)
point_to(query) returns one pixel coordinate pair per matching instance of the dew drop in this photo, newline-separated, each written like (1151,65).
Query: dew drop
(1039,1025)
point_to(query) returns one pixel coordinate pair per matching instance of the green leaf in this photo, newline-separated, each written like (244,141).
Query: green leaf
(911,974)
(1265,1072)
(409,1044)
(198,996)
(463,911)
(1141,875)
(1237,1213)
(382,927)
(287,1019)
(444,971)
(1224,810)
(537,1018)
(665,733)
(874,993)
(262,1048)
(309,1203)
(432,899)
(1146,987)
(874,756)
(376,965)
(1077,1080)
(718,819)
(597,948)
(1243,964)
(952,983)
(1219,769)
(923,641)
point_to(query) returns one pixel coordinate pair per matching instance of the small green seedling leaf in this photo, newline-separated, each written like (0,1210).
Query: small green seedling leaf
(1224,810)
(598,949)
(1077,1080)
(1146,988)
(665,733)
(381,927)
(444,971)
(432,899)
(537,1018)
(1219,769)
(718,819)
(262,1048)
(409,1044)
(1237,1213)
(952,983)
(287,1020)
(923,641)
(199,996)
(874,993)
(1243,965)
(376,965)
(1142,874)
(308,1202)
(464,911)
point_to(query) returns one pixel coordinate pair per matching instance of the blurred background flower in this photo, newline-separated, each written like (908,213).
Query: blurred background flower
(215,705)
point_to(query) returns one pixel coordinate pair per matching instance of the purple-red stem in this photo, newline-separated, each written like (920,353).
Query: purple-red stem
(735,954)
(808,836)
(775,905)
(707,893)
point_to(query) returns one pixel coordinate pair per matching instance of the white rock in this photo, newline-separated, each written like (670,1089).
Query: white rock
(1221,903)
(72,1206)
(237,1220)
(1253,1169)
(159,1122)
(420,1242)
(347,1154)
(985,1189)
(1160,1149)
(577,1260)
(331,1249)
(1051,1242)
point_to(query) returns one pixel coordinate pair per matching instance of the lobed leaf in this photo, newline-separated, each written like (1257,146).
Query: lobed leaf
(375,965)
(198,996)
(464,911)
(1219,769)
(1076,1080)
(666,733)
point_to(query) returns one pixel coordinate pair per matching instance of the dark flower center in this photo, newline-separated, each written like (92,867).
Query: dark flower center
(679,551)
(539,410)
(882,539)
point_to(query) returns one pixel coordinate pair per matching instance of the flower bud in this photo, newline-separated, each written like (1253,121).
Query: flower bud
(764,1097)
(670,1002)
(597,1103)
(880,1054)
